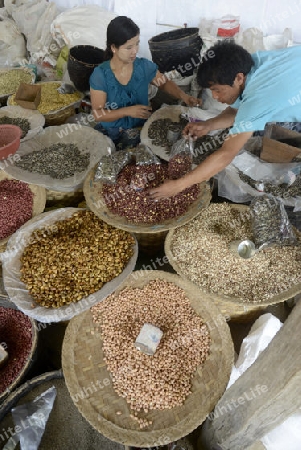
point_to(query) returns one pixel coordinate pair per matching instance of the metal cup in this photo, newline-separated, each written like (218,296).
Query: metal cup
(173,135)
(244,249)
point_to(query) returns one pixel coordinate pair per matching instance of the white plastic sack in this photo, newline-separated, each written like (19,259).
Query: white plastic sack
(85,138)
(82,25)
(12,44)
(287,435)
(16,289)
(259,337)
(233,188)
(34,18)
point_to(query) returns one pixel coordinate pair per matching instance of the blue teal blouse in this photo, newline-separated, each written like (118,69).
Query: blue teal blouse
(134,93)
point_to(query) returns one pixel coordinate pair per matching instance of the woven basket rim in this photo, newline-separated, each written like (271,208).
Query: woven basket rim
(39,202)
(34,333)
(206,388)
(227,301)
(98,206)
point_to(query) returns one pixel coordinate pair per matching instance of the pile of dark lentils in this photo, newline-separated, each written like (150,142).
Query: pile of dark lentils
(59,161)
(18,121)
(203,146)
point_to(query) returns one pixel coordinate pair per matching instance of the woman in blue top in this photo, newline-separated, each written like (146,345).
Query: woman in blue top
(119,86)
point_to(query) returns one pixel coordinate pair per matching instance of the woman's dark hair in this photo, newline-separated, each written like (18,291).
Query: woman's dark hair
(119,30)
(222,62)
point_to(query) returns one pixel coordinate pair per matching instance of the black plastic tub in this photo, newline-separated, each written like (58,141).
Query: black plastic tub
(178,49)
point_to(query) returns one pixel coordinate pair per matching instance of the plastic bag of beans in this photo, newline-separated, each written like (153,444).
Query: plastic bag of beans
(145,156)
(181,157)
(110,165)
(270,223)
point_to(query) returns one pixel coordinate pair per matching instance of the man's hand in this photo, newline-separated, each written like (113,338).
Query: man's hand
(196,129)
(168,189)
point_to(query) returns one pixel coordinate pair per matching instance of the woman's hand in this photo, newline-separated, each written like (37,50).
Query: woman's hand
(165,190)
(191,101)
(139,111)
(196,129)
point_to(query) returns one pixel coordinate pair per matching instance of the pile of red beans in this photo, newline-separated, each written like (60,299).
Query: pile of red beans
(16,338)
(129,197)
(16,205)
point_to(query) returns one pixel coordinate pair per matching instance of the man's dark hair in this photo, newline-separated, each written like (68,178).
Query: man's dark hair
(222,62)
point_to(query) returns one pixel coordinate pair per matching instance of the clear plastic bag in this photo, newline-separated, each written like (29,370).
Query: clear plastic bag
(270,222)
(31,418)
(110,166)
(181,157)
(145,156)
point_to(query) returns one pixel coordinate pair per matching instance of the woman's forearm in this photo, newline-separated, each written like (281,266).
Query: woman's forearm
(109,115)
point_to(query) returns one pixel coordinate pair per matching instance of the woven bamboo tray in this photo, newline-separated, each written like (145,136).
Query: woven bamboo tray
(231,307)
(149,237)
(16,289)
(39,201)
(31,357)
(83,365)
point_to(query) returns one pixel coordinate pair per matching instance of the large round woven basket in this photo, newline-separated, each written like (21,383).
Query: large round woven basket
(150,237)
(172,113)
(64,199)
(32,353)
(83,365)
(39,201)
(233,308)
(66,428)
(17,290)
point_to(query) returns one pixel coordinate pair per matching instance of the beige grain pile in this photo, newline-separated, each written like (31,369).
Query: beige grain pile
(201,251)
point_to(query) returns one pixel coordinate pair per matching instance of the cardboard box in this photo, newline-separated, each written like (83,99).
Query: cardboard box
(28,95)
(280,145)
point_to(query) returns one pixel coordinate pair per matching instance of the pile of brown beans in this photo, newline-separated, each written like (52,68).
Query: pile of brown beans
(73,258)
(16,338)
(129,197)
(16,204)
(161,381)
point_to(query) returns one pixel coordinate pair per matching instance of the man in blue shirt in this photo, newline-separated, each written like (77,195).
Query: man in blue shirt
(259,88)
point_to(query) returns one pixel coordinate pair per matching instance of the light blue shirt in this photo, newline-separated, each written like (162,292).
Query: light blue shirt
(134,93)
(272,90)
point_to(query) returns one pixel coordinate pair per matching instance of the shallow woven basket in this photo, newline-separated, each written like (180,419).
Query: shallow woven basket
(31,357)
(83,365)
(39,201)
(231,307)
(150,237)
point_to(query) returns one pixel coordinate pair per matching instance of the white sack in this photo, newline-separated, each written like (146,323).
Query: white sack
(12,44)
(33,19)
(82,25)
